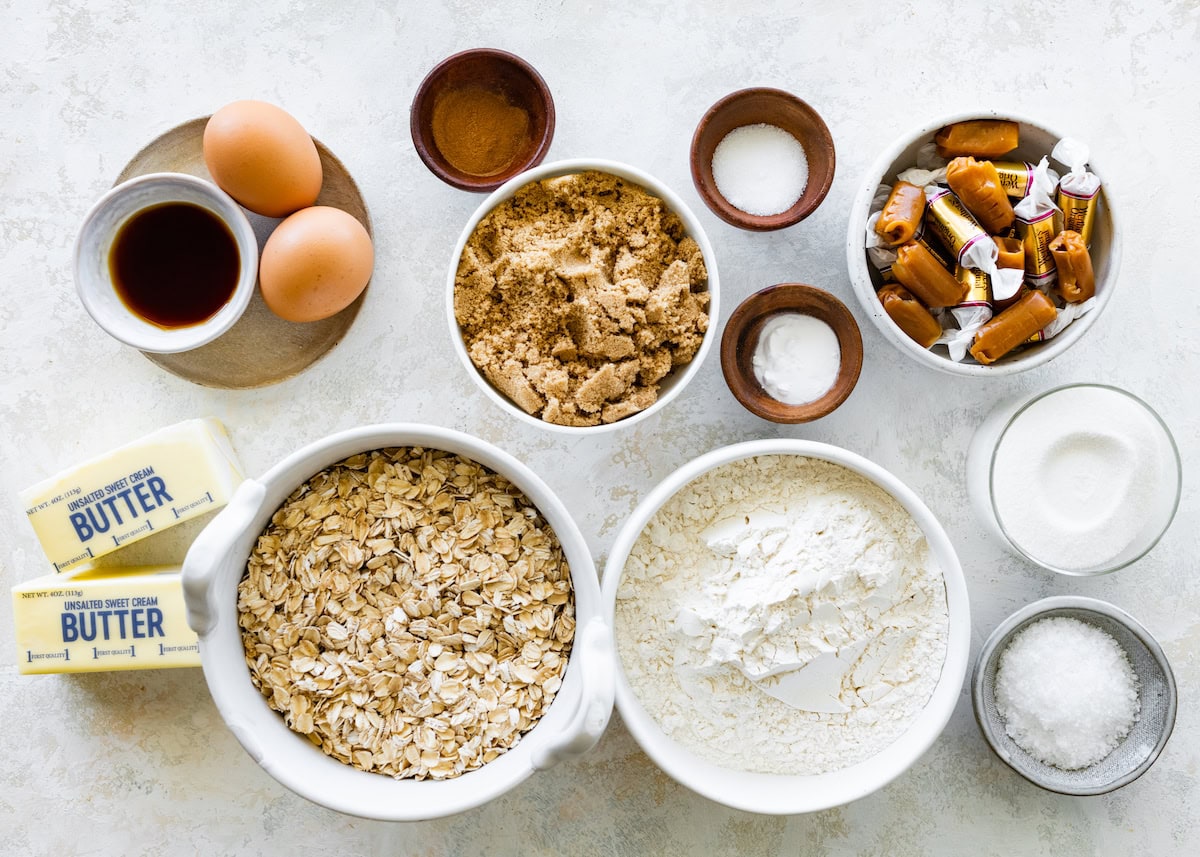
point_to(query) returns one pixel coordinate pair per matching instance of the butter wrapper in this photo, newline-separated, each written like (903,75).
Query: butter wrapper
(163,479)
(98,621)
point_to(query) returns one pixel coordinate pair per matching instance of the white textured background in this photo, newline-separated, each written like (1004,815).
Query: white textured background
(139,763)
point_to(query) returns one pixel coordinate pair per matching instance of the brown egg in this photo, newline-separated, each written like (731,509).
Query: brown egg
(315,264)
(262,157)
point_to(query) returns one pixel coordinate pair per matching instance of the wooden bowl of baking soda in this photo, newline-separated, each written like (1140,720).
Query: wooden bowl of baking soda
(791,353)
(762,159)
(481,117)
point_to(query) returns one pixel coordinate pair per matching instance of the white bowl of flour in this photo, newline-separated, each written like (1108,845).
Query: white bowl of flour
(792,626)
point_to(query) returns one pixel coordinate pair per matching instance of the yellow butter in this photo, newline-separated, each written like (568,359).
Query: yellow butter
(163,479)
(114,619)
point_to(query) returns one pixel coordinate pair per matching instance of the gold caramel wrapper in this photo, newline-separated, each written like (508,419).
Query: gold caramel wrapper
(1079,212)
(1037,235)
(1016,177)
(936,250)
(979,286)
(949,220)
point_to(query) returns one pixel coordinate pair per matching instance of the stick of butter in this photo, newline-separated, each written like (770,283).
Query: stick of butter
(110,619)
(163,479)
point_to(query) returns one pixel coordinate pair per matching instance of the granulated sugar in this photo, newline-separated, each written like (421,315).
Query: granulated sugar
(1066,692)
(1076,476)
(782,614)
(760,169)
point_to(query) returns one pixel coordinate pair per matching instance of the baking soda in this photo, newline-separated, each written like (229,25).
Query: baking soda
(797,358)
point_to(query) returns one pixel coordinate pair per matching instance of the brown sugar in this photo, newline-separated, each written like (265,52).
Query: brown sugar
(579,295)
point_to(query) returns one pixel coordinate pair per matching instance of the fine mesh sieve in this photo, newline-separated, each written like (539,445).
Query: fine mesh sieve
(1156,690)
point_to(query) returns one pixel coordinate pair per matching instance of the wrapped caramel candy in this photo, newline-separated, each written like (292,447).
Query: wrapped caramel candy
(983,138)
(1013,327)
(1079,188)
(1036,236)
(902,214)
(1012,253)
(975,308)
(953,224)
(968,242)
(977,185)
(978,286)
(918,271)
(910,315)
(1035,226)
(1076,281)
(1016,177)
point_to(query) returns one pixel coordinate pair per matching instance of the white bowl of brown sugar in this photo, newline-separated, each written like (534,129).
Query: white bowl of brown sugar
(581,296)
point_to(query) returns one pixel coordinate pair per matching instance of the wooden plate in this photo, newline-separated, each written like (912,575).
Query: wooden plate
(261,348)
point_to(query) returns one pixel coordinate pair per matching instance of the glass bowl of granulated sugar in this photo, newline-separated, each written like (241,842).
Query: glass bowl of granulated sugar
(791,623)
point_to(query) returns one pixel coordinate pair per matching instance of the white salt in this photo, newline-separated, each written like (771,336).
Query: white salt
(1076,477)
(797,358)
(760,169)
(1066,692)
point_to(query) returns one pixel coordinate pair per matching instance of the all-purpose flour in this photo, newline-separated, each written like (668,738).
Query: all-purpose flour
(782,614)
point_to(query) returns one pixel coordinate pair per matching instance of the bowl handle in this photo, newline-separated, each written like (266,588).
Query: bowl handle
(594,648)
(211,548)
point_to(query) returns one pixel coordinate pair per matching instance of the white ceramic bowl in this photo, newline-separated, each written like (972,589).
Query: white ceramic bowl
(777,794)
(217,561)
(93,280)
(1036,140)
(672,385)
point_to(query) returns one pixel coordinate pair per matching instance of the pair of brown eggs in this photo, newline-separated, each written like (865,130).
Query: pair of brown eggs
(318,260)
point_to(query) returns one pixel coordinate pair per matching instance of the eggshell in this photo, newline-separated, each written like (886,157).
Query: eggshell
(315,264)
(262,157)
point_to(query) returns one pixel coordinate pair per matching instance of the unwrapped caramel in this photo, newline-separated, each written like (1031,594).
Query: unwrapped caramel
(918,271)
(910,315)
(1012,253)
(902,214)
(1013,327)
(978,187)
(982,138)
(1076,280)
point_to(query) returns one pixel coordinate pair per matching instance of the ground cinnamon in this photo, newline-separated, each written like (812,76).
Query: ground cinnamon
(478,130)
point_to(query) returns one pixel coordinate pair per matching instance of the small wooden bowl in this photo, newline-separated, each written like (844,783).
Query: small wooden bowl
(501,72)
(740,339)
(773,107)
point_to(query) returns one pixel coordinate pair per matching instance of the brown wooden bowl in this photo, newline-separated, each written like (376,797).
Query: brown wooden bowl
(740,339)
(773,107)
(501,72)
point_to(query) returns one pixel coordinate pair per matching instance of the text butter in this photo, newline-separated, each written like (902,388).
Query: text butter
(163,479)
(109,619)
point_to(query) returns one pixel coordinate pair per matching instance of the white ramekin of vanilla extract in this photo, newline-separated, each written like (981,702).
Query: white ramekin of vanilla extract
(1081,479)
(166,262)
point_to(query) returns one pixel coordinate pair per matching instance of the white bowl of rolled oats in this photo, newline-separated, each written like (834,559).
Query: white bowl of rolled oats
(582,296)
(401,622)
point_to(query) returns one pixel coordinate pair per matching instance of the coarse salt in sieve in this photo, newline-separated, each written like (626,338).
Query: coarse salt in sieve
(1066,692)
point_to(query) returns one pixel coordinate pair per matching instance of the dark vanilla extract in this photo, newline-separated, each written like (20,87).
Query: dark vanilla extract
(175,264)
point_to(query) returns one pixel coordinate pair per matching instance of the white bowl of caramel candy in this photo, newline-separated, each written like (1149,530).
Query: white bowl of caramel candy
(959,267)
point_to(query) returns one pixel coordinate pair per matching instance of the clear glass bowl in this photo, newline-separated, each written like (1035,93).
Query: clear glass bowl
(981,483)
